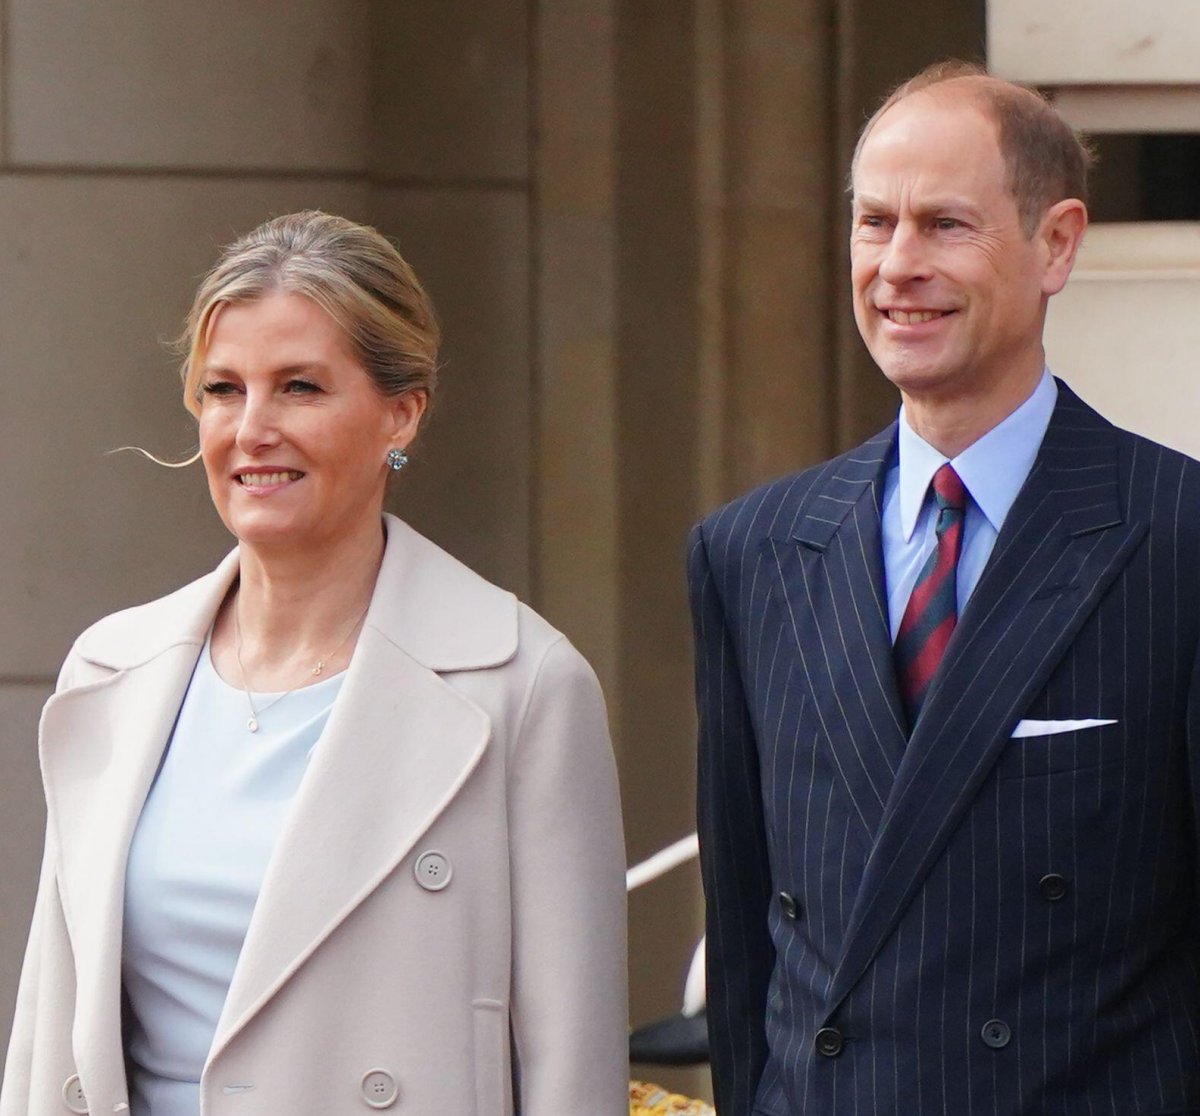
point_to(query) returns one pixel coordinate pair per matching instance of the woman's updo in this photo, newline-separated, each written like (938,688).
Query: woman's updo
(351,271)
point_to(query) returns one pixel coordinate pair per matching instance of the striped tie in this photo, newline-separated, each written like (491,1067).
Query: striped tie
(932,609)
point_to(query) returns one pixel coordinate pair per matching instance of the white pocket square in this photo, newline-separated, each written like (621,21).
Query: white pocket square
(1052,728)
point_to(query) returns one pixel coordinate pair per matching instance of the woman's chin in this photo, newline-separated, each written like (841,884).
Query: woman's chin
(268,531)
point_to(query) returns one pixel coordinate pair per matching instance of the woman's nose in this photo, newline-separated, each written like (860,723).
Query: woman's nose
(258,424)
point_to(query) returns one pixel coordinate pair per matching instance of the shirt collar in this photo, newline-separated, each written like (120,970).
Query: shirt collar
(993,468)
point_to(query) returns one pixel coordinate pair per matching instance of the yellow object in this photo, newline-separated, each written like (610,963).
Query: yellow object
(650,1100)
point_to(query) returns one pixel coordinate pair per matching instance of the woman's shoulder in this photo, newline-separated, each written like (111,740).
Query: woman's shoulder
(132,636)
(450,617)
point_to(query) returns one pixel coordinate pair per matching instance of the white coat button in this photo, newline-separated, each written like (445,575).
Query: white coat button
(433,871)
(379,1088)
(73,1096)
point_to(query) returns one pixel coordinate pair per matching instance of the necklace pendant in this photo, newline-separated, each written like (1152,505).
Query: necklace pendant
(319,668)
(252,724)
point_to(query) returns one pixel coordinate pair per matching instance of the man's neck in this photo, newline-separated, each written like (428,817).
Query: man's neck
(952,423)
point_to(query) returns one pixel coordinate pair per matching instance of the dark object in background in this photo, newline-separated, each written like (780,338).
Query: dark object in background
(1171,177)
(1147,176)
(679,1040)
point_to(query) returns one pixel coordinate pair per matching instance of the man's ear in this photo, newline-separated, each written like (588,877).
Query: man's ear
(1060,235)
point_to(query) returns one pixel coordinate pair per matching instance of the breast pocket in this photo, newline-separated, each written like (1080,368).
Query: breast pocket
(1039,755)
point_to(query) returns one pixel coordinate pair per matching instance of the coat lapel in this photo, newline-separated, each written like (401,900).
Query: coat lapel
(1063,543)
(399,744)
(101,743)
(831,566)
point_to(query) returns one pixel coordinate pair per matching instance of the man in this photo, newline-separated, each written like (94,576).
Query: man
(949,689)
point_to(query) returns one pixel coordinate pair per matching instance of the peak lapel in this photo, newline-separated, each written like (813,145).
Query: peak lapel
(831,566)
(1060,549)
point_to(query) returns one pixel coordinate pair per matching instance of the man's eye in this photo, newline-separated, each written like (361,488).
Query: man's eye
(946,223)
(871,221)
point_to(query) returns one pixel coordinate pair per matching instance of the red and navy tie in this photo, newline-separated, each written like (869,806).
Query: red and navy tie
(932,609)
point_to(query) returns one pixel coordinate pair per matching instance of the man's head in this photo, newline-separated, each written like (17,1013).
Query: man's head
(969,206)
(1044,158)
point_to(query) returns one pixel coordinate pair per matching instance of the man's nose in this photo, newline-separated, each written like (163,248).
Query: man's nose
(906,256)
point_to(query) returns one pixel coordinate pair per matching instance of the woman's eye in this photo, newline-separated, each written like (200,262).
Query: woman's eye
(218,387)
(301,387)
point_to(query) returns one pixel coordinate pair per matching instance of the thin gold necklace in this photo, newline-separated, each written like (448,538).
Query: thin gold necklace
(253,720)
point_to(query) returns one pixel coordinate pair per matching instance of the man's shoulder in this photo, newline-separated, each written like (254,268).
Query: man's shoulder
(774,509)
(1155,483)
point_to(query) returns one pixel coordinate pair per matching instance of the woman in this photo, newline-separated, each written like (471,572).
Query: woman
(336,826)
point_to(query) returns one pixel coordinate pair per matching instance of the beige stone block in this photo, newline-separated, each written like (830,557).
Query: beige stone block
(22,824)
(1124,331)
(468,486)
(452,89)
(96,273)
(170,83)
(1098,42)
(577,462)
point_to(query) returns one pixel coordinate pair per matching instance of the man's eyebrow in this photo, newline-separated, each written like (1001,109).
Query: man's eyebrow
(949,203)
(868,201)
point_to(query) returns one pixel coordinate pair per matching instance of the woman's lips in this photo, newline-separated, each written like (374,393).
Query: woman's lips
(267,478)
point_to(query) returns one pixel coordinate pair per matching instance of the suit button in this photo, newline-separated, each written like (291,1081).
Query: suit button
(433,870)
(829,1042)
(379,1088)
(997,1034)
(73,1096)
(791,909)
(1053,887)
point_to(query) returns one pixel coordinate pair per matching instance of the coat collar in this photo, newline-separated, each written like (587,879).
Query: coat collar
(399,745)
(473,627)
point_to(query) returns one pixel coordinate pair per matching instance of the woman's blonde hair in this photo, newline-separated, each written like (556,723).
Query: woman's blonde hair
(351,271)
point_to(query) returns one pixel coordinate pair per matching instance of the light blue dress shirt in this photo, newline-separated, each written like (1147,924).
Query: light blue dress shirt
(196,865)
(993,469)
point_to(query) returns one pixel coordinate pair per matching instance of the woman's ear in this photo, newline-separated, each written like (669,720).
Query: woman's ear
(407,410)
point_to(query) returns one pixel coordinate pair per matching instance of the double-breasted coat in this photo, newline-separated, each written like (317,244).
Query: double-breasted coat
(442,923)
(997,912)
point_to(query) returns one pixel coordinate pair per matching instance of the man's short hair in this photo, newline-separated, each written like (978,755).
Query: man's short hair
(1045,159)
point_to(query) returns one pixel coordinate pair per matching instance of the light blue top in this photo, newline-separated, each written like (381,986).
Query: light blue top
(196,865)
(993,469)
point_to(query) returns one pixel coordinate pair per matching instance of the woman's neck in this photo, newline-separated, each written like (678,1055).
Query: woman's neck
(291,610)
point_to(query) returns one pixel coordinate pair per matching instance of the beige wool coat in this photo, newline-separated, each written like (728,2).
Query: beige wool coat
(444,915)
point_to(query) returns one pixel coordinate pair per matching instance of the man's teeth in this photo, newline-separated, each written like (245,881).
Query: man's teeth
(905,317)
(262,480)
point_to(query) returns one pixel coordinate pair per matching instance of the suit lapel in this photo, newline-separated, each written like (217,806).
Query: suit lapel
(831,566)
(1063,543)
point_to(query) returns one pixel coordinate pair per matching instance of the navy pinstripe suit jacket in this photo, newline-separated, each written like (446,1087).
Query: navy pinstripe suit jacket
(915,907)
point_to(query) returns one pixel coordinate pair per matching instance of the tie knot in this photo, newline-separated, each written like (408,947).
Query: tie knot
(949,489)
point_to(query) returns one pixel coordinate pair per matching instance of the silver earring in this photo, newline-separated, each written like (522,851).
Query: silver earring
(396,459)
